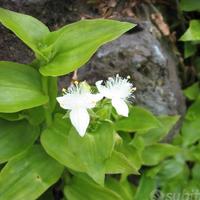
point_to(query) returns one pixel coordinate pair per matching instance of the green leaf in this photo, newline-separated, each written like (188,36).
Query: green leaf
(35,116)
(192,33)
(20,87)
(83,154)
(15,137)
(86,189)
(190,5)
(146,189)
(157,134)
(195,172)
(192,91)
(30,30)
(27,176)
(139,120)
(190,132)
(72,46)
(191,126)
(193,111)
(153,154)
(119,163)
(12,116)
(171,169)
(123,189)
(132,155)
(189,49)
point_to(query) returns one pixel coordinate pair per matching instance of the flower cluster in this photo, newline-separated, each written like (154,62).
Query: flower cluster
(79,98)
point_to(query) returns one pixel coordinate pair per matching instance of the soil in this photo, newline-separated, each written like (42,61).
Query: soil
(143,53)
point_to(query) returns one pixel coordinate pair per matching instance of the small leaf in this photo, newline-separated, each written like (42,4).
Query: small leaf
(170,169)
(139,119)
(27,176)
(83,154)
(190,5)
(20,87)
(193,111)
(192,33)
(123,189)
(15,137)
(157,134)
(119,163)
(72,46)
(146,188)
(190,132)
(192,91)
(30,30)
(191,126)
(189,49)
(153,154)
(86,189)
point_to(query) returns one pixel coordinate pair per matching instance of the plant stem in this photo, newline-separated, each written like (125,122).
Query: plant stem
(47,109)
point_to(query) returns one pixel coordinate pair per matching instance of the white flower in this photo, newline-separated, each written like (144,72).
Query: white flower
(118,90)
(78,99)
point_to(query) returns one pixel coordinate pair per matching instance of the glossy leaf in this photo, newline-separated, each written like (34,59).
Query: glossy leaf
(171,169)
(86,189)
(190,5)
(20,87)
(119,163)
(190,132)
(189,49)
(192,33)
(84,154)
(191,126)
(153,154)
(122,188)
(157,134)
(27,176)
(146,188)
(139,120)
(30,30)
(72,46)
(192,91)
(15,137)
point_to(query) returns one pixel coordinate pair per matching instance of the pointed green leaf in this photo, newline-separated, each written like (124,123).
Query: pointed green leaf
(123,189)
(72,46)
(30,30)
(20,87)
(139,119)
(153,154)
(146,189)
(119,163)
(27,176)
(84,154)
(190,5)
(189,49)
(157,134)
(15,137)
(192,33)
(192,92)
(86,189)
(191,126)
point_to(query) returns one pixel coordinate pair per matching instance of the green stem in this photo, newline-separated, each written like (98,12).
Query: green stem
(47,108)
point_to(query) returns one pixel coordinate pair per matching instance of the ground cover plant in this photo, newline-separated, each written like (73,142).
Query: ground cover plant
(90,142)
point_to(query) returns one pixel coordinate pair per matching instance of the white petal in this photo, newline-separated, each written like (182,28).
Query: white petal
(120,106)
(65,102)
(80,120)
(92,99)
(103,90)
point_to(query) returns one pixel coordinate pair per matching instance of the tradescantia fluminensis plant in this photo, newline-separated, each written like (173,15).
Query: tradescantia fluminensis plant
(41,143)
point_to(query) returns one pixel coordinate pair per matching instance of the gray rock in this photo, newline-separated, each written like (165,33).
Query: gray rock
(151,64)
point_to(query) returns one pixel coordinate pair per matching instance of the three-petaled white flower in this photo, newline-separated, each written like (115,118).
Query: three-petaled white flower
(78,99)
(118,90)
